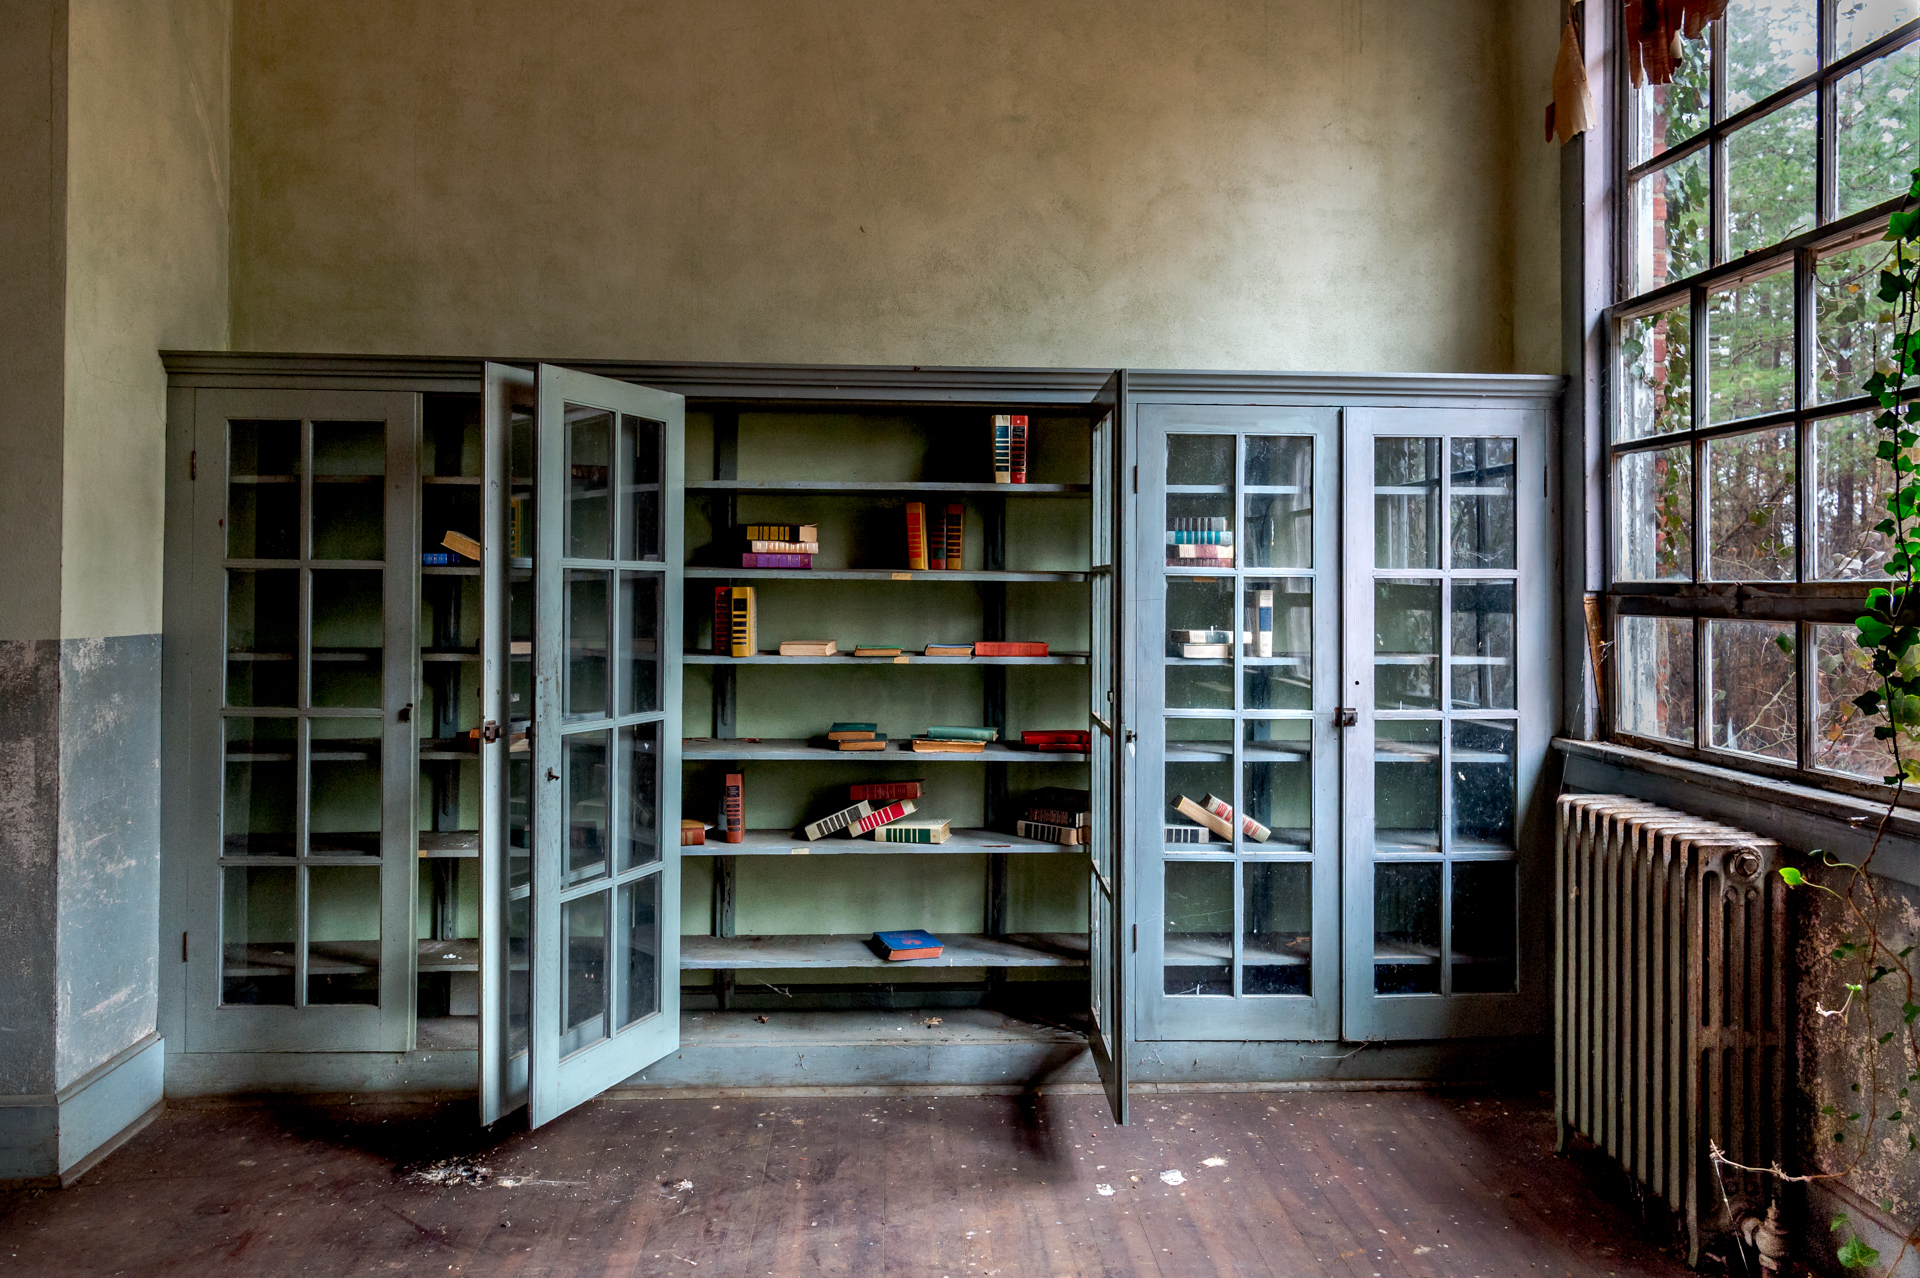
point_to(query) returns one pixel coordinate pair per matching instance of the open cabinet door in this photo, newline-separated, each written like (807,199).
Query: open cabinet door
(601,776)
(1108,943)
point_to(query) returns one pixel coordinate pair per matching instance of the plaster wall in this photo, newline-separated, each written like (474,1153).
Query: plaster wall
(1230,184)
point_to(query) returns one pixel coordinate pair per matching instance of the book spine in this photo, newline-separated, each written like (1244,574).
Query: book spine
(942,733)
(884,791)
(902,834)
(1059,816)
(745,631)
(1200,816)
(776,532)
(784,547)
(1263,623)
(936,540)
(1009,648)
(723,621)
(1017,462)
(879,817)
(838,821)
(916,535)
(1002,449)
(733,813)
(1248,826)
(776,561)
(438,558)
(1187,834)
(956,537)
(1064,835)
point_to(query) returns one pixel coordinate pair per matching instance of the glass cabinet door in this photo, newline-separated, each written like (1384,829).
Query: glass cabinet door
(605,885)
(1108,759)
(1237,798)
(1449,587)
(301,884)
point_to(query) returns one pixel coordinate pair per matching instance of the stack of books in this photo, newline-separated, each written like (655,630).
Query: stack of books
(1199,542)
(1010,448)
(1056,815)
(951,740)
(861,818)
(1058,741)
(779,545)
(937,543)
(856,736)
(1201,643)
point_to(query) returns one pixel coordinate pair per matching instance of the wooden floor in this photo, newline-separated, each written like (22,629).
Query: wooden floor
(1367,1184)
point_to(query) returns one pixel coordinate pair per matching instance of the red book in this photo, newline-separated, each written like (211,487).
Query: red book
(994,648)
(1064,736)
(760,560)
(916,535)
(733,817)
(879,817)
(956,537)
(883,791)
(723,621)
(1018,473)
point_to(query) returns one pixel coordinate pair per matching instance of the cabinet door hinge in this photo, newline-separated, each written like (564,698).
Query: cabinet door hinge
(183,947)
(193,464)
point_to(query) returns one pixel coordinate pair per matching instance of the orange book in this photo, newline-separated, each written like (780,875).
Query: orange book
(916,535)
(956,536)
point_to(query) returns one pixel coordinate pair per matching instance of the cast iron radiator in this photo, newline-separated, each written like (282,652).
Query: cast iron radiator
(1670,999)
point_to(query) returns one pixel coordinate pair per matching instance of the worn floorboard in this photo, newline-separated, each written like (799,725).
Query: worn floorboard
(1257,1184)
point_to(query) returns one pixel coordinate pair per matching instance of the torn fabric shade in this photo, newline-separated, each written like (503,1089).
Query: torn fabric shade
(1654,29)
(1572,110)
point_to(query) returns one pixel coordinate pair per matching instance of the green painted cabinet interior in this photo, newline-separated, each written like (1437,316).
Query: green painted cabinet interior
(357,863)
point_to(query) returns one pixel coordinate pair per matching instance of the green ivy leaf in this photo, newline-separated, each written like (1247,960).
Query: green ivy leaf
(1856,1254)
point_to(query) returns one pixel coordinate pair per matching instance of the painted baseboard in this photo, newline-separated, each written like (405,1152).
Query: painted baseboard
(51,1139)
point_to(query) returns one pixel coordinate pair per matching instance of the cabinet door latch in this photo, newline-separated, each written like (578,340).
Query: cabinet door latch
(1346,717)
(406,713)
(490,732)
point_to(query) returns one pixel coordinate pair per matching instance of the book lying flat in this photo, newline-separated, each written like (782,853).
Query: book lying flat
(838,821)
(776,561)
(1205,650)
(914,832)
(884,791)
(1001,648)
(781,532)
(784,547)
(915,944)
(1200,816)
(1188,834)
(693,833)
(1178,554)
(951,733)
(1059,816)
(1065,835)
(876,650)
(878,741)
(949,650)
(852,727)
(854,734)
(809,648)
(1057,736)
(925,745)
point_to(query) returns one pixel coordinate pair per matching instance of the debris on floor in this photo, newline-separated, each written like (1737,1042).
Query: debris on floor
(1173,1178)
(452,1171)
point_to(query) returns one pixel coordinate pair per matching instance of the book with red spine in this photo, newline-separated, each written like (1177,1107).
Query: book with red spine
(1003,648)
(937,540)
(1059,736)
(956,536)
(879,817)
(733,812)
(1017,450)
(752,560)
(917,535)
(883,791)
(723,621)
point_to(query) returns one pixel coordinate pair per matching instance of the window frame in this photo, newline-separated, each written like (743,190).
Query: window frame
(1802,602)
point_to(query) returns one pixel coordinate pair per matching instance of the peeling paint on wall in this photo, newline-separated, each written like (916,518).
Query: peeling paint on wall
(29,803)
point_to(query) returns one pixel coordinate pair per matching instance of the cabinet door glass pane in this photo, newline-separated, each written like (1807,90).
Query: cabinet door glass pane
(588,602)
(640,768)
(586,768)
(263,490)
(640,966)
(349,492)
(1482,660)
(641,452)
(1199,934)
(1279,501)
(1276,642)
(263,626)
(343,934)
(1276,944)
(1278,784)
(343,793)
(589,483)
(348,630)
(1406,928)
(1406,644)
(1200,518)
(1483,493)
(1199,765)
(1483,930)
(583,986)
(1406,503)
(1483,784)
(258,935)
(1406,785)
(638,642)
(261,803)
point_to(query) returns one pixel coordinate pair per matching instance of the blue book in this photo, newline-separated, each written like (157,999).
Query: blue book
(914,944)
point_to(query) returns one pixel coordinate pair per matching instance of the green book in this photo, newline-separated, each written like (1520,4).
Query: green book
(854,727)
(963,734)
(913,832)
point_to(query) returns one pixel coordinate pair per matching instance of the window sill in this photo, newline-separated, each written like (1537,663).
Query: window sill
(1800,816)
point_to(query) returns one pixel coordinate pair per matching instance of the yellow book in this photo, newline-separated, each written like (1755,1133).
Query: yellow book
(746,630)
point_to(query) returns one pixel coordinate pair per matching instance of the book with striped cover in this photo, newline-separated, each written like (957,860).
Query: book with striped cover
(917,535)
(1188,834)
(1017,462)
(784,547)
(751,560)
(1200,816)
(746,630)
(1224,810)
(879,817)
(914,832)
(782,532)
(1065,835)
(884,791)
(723,621)
(1002,448)
(733,811)
(838,821)
(956,536)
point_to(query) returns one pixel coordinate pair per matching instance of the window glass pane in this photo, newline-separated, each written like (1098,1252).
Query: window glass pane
(1279,501)
(343,795)
(640,764)
(1406,928)
(587,591)
(1770,181)
(1672,221)
(1850,486)
(1751,506)
(1406,503)
(641,447)
(343,934)
(260,800)
(1277,643)
(1875,125)
(1770,44)
(583,948)
(589,485)
(1668,114)
(1276,944)
(1483,932)
(1481,471)
(258,933)
(1204,460)
(1482,654)
(1656,367)
(1853,328)
(587,816)
(263,619)
(1483,784)
(1406,785)
(1198,958)
(640,974)
(1750,348)
(1653,516)
(1406,644)
(1653,668)
(1753,704)
(1858,23)
(349,499)
(348,632)
(1278,779)
(637,642)
(1843,733)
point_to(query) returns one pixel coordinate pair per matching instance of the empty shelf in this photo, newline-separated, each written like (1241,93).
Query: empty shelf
(1027,949)
(789,843)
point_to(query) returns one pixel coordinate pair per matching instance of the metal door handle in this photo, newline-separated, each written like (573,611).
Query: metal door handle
(552,775)
(1346,717)
(490,732)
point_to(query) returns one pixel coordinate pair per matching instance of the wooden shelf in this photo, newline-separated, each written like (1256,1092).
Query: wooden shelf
(347,958)
(472,481)
(882,488)
(790,843)
(912,658)
(435,844)
(719,748)
(867,574)
(1027,949)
